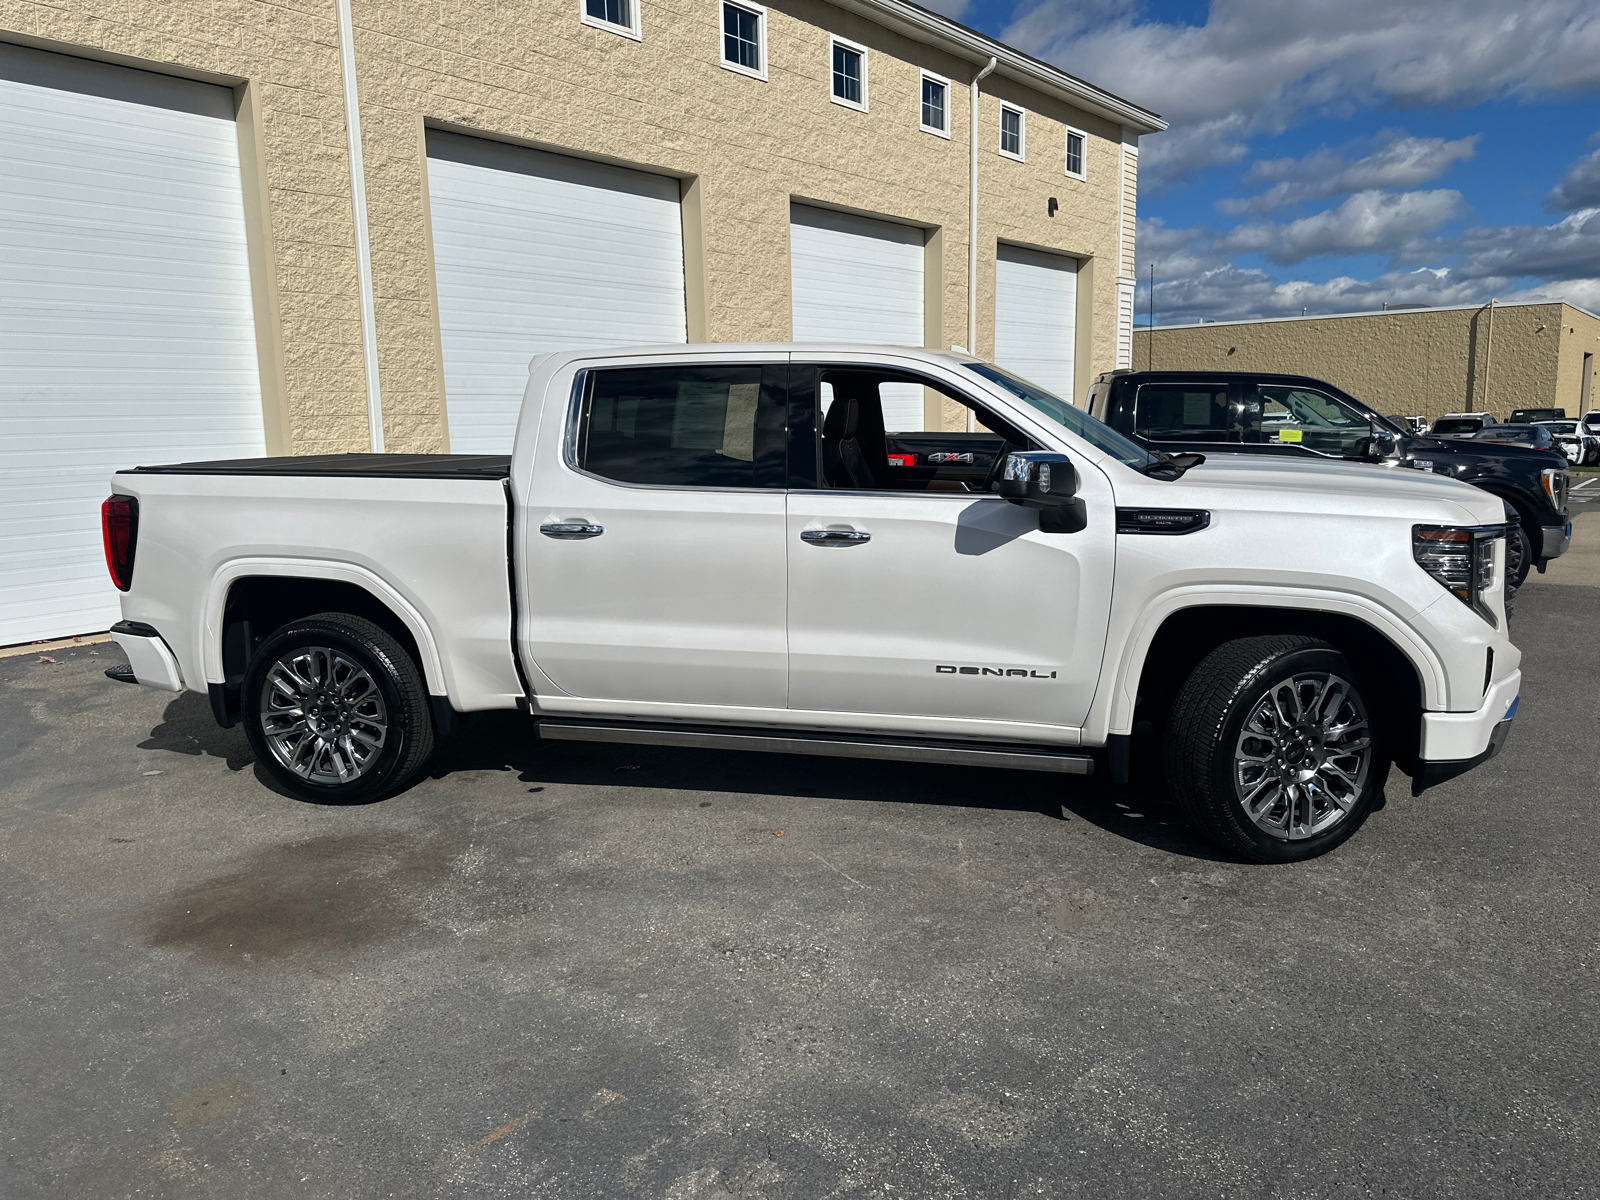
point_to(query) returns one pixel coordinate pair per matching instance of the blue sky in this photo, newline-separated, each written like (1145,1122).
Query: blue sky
(1334,155)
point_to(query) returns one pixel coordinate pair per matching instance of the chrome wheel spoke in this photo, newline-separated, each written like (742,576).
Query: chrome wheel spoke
(1303,756)
(323,715)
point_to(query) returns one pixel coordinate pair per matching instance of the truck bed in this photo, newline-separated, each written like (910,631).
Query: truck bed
(359,466)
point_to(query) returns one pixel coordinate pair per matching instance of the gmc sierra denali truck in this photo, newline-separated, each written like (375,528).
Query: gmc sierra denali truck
(1297,418)
(707,546)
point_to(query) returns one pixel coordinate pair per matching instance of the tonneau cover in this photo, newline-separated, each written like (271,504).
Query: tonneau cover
(369,466)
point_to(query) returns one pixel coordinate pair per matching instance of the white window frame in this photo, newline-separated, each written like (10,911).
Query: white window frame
(1022,132)
(835,40)
(759,12)
(942,82)
(634,31)
(1083,174)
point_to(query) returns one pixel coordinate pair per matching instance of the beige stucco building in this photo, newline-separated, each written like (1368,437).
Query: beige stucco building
(243,227)
(1412,362)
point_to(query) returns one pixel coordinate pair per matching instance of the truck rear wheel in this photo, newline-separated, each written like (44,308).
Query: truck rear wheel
(336,710)
(1270,749)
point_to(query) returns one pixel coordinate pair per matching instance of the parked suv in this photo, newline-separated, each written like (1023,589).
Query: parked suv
(1299,418)
(1581,447)
(1460,424)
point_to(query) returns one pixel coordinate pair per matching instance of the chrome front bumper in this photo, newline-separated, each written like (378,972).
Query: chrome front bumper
(1554,540)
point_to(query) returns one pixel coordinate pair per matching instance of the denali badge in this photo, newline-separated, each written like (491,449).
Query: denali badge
(1003,671)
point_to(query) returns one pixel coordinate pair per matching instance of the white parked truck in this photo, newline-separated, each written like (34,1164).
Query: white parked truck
(713,546)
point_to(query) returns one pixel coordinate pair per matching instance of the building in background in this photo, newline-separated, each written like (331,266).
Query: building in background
(1411,362)
(334,225)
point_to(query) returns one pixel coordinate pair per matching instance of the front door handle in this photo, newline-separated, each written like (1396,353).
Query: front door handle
(571,531)
(834,537)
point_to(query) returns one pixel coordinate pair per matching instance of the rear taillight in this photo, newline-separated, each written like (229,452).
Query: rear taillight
(119,523)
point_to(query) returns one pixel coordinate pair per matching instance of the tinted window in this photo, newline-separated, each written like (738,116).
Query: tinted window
(1187,412)
(1101,436)
(1313,420)
(1468,426)
(684,426)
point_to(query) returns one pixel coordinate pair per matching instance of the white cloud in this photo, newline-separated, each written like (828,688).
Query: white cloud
(1370,222)
(1257,66)
(1569,249)
(1396,160)
(1579,188)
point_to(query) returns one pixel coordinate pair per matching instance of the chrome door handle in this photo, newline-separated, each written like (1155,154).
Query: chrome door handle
(834,537)
(571,531)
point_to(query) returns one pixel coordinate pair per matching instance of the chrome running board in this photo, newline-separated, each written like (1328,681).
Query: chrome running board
(1021,758)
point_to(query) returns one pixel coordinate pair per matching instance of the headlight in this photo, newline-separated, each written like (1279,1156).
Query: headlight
(1554,481)
(1462,559)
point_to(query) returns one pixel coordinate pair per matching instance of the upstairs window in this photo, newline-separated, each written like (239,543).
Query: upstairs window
(619,16)
(1011,132)
(744,39)
(935,104)
(1075,143)
(849,74)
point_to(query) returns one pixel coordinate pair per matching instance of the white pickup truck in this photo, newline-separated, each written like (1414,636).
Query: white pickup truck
(711,546)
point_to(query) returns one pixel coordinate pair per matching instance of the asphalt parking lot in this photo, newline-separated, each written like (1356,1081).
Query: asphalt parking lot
(566,970)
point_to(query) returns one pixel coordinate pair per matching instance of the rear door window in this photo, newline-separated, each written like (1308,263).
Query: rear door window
(685,426)
(1187,412)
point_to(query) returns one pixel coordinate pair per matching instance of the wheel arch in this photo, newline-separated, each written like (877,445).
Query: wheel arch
(1174,636)
(250,599)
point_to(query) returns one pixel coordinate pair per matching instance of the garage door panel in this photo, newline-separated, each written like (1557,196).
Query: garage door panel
(859,279)
(1036,316)
(536,252)
(126,327)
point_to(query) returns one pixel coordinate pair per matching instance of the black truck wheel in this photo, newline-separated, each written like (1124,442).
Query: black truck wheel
(336,710)
(1270,751)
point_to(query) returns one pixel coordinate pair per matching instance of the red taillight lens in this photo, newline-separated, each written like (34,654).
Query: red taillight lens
(119,524)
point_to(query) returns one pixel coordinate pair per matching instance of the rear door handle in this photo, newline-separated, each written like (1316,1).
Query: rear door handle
(571,531)
(834,537)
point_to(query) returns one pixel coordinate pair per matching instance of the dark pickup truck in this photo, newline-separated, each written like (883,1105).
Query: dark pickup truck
(1297,416)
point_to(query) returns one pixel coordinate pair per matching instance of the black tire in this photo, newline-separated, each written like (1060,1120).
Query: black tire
(1519,558)
(1206,731)
(373,739)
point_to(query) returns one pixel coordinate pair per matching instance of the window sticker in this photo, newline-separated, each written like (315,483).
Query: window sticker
(1289,435)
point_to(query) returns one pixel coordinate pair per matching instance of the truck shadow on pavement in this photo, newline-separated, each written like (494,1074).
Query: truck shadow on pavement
(506,742)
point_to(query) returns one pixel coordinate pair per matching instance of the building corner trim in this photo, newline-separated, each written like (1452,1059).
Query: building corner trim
(358,206)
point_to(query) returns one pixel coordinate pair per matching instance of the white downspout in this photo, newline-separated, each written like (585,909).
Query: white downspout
(972,218)
(358,203)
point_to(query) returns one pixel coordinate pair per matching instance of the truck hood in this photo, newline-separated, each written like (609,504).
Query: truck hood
(1355,489)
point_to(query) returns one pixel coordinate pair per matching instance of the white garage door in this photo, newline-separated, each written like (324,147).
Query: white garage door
(126,332)
(1036,317)
(535,252)
(854,279)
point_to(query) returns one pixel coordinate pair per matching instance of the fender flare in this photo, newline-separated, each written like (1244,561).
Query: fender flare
(1124,675)
(223,579)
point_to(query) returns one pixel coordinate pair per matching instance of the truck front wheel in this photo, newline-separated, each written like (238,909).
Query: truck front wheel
(1270,750)
(336,710)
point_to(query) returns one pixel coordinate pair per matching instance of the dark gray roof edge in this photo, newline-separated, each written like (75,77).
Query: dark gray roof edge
(925,26)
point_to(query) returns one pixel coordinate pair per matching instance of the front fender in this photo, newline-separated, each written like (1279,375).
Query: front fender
(1120,674)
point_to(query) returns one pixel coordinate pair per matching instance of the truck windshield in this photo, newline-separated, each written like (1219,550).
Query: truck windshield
(1074,420)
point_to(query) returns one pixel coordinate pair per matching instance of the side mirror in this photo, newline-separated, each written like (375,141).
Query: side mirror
(1379,446)
(1038,479)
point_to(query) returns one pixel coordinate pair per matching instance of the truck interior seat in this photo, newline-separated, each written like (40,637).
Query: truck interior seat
(855,451)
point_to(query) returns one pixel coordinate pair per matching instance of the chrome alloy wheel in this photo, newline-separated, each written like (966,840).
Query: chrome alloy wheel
(1303,756)
(323,715)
